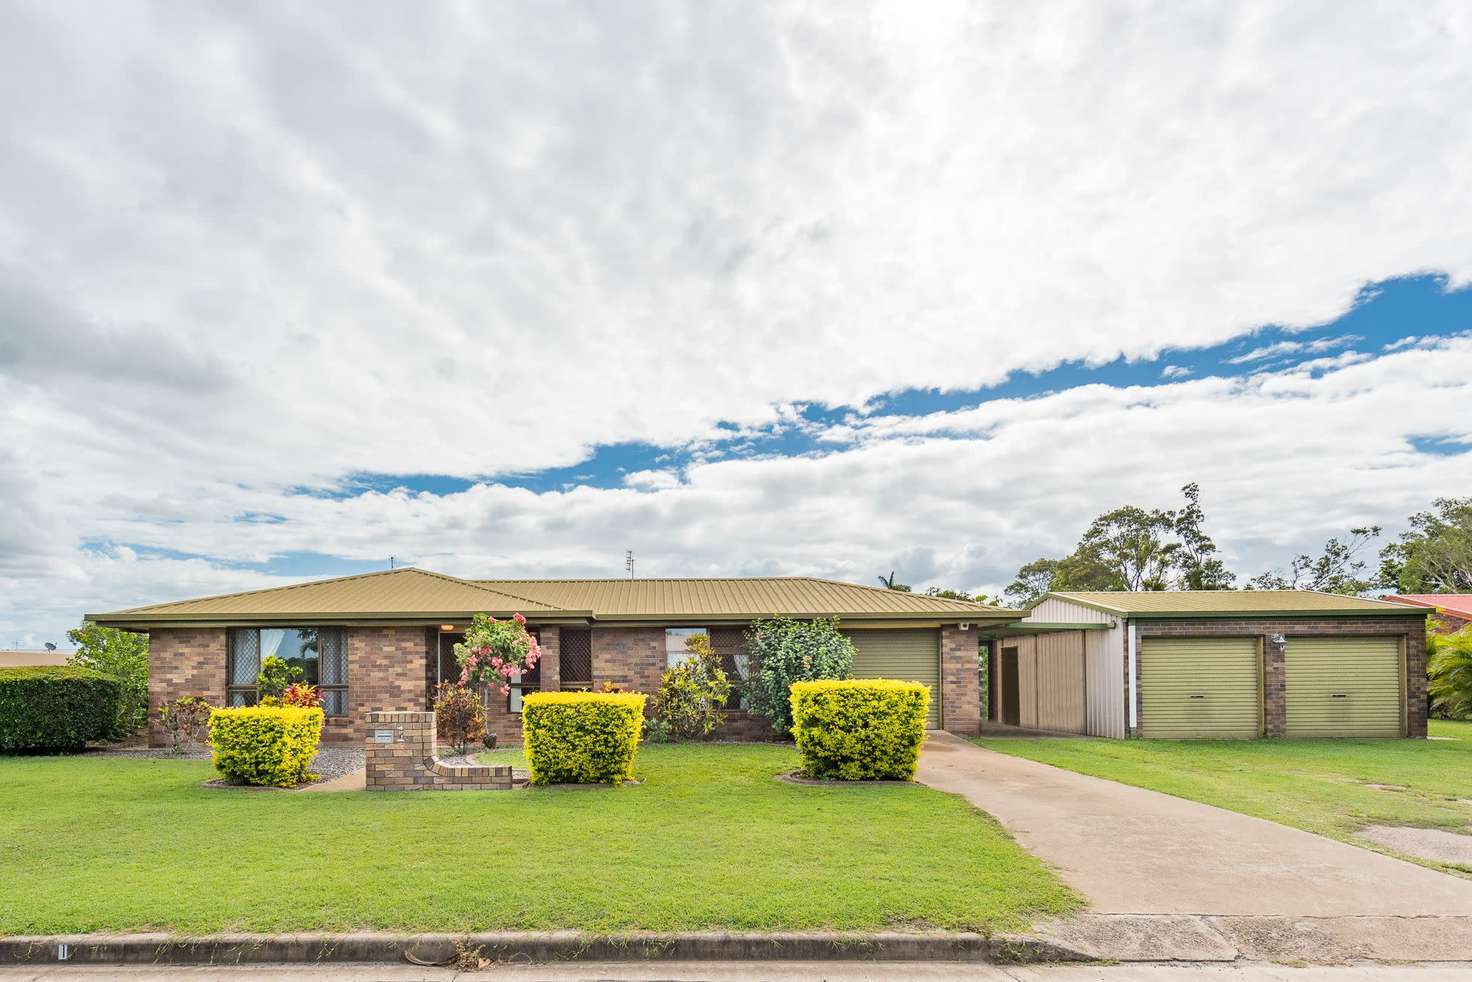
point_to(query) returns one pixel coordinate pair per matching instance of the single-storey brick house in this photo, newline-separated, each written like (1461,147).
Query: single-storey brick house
(1223,664)
(383,641)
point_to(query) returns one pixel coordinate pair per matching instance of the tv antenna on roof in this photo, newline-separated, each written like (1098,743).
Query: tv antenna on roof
(629,562)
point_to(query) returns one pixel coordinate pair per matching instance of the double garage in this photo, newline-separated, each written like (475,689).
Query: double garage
(1214,688)
(1212,665)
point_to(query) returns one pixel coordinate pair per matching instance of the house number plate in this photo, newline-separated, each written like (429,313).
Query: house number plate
(383,736)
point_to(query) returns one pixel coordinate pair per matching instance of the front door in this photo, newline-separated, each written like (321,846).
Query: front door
(449,668)
(1011,689)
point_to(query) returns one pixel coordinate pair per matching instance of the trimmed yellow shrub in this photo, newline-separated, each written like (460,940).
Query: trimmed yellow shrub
(269,745)
(859,729)
(581,737)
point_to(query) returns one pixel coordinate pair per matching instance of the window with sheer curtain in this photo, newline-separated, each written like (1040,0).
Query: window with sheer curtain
(320,652)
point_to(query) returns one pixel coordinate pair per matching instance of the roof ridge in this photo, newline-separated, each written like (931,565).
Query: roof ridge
(479,586)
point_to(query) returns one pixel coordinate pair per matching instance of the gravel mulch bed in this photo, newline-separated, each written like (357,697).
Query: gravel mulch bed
(798,777)
(330,762)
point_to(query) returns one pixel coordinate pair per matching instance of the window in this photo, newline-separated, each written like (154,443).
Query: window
(577,659)
(729,644)
(522,683)
(320,652)
(682,642)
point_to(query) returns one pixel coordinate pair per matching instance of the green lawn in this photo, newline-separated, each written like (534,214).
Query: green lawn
(1323,786)
(708,840)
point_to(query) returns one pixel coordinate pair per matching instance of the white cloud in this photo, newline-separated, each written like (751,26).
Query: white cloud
(1284,348)
(1174,371)
(246,248)
(953,499)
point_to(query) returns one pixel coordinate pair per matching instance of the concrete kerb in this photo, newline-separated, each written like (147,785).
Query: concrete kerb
(516,946)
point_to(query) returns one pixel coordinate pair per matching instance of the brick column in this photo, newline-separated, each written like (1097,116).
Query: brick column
(1274,686)
(184,662)
(960,702)
(1416,678)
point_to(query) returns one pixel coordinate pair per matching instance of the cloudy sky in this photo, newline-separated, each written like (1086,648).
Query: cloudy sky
(506,289)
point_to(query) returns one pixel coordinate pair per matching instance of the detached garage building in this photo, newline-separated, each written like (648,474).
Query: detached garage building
(1228,664)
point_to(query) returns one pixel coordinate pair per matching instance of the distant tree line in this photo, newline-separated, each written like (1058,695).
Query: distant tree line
(1132,548)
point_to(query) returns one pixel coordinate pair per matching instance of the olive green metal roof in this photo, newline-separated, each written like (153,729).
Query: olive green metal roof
(1228,603)
(410,594)
(389,594)
(739,597)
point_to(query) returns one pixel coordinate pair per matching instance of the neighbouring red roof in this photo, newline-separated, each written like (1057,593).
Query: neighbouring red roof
(1453,603)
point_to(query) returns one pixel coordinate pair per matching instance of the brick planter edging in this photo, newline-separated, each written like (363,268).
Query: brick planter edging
(408,760)
(536,946)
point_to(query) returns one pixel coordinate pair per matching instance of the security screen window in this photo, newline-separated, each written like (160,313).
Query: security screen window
(320,653)
(678,641)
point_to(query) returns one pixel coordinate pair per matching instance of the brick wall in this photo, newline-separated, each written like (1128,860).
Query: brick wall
(1412,629)
(960,701)
(386,671)
(409,760)
(183,662)
(632,657)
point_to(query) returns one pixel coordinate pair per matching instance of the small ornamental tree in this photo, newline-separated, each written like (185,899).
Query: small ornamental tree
(276,676)
(692,694)
(784,651)
(185,721)
(459,717)
(494,652)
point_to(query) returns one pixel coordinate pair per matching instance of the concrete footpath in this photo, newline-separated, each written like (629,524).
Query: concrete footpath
(742,971)
(1170,878)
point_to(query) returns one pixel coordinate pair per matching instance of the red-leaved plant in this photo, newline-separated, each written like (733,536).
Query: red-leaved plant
(300,694)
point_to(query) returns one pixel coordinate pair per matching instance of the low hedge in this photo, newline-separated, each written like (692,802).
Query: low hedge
(266,745)
(56,708)
(859,729)
(581,737)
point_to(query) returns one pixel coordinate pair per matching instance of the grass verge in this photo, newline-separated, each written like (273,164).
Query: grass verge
(709,840)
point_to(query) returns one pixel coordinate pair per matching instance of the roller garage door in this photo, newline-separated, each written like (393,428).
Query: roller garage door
(1200,688)
(913,656)
(1342,687)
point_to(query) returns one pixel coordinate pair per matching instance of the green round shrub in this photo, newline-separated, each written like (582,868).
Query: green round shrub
(56,708)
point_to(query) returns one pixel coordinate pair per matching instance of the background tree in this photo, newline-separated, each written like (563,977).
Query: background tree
(1197,565)
(1131,548)
(976,598)
(1435,554)
(123,655)
(1335,570)
(890,583)
(1133,545)
(1033,580)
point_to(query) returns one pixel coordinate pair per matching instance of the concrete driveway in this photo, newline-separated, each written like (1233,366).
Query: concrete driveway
(1133,851)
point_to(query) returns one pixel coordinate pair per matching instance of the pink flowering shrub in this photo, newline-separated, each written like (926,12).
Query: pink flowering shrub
(494,652)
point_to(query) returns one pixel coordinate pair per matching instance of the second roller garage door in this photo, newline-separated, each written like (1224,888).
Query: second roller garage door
(1343,687)
(913,656)
(1200,688)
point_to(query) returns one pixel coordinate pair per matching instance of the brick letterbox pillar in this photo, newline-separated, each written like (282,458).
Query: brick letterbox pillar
(402,755)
